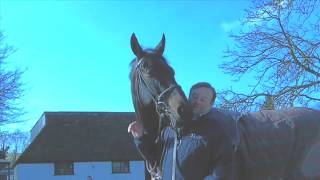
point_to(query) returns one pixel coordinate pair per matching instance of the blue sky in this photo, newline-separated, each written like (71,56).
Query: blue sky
(77,53)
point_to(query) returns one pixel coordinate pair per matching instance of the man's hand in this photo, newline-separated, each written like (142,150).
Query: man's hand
(136,129)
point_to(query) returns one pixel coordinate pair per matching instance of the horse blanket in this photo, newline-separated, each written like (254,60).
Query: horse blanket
(279,145)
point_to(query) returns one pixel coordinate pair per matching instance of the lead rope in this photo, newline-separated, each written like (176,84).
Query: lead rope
(174,159)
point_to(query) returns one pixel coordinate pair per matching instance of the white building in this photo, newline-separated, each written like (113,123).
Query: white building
(80,146)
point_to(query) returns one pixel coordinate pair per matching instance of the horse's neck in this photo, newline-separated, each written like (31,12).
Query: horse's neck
(149,118)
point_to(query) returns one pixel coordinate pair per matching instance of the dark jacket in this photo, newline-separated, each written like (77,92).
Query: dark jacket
(206,152)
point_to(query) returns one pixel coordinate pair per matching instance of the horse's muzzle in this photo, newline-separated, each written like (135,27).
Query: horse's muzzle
(185,115)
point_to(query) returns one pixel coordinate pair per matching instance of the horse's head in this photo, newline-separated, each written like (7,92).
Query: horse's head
(157,98)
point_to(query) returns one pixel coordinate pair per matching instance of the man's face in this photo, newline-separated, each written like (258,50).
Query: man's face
(200,100)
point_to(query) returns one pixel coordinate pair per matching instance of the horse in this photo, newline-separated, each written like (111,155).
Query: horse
(157,98)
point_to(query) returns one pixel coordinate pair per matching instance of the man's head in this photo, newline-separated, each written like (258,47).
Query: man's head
(201,97)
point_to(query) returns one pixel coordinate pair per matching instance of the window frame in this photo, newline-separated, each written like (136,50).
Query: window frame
(120,167)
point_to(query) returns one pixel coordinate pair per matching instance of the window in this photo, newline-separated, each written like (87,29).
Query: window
(120,167)
(63,168)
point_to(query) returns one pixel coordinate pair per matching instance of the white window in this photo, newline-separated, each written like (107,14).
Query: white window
(120,167)
(63,168)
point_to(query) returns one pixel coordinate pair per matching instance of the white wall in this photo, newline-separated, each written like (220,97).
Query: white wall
(97,170)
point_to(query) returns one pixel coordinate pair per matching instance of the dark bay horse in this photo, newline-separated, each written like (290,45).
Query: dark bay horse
(158,99)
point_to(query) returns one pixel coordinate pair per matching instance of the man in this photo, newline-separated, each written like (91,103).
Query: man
(206,151)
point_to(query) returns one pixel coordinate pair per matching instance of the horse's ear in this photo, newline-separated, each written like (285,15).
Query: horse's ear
(135,46)
(160,47)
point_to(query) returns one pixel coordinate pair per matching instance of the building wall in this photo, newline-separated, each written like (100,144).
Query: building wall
(97,170)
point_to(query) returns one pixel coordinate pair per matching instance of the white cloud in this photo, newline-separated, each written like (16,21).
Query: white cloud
(229,26)
(260,16)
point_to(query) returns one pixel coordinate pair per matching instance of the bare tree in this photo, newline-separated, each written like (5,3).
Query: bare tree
(4,144)
(10,86)
(13,144)
(18,141)
(279,44)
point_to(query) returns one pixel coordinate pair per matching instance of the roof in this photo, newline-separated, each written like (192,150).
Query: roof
(81,137)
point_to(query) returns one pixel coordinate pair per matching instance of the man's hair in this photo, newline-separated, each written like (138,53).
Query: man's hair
(206,85)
